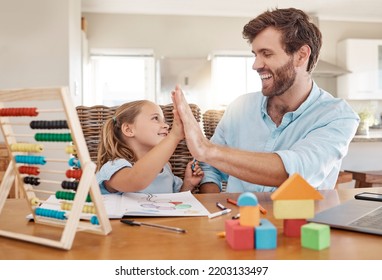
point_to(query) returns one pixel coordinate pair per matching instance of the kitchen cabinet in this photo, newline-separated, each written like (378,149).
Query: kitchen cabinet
(363,58)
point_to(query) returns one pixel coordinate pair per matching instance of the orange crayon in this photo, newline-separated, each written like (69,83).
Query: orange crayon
(234,202)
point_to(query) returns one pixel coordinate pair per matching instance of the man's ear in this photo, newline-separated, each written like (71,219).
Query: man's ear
(127,130)
(302,55)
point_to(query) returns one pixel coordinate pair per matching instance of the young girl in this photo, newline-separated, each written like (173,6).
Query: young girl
(135,149)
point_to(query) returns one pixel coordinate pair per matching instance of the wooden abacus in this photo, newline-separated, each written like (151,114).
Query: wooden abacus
(82,187)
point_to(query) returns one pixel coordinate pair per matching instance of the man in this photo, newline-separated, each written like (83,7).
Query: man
(291,126)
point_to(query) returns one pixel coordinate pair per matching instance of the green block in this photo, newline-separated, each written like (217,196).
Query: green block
(315,236)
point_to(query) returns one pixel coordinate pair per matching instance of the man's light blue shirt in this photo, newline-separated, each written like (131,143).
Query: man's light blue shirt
(311,140)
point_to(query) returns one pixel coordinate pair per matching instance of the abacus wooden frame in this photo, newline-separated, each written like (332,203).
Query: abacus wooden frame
(87,184)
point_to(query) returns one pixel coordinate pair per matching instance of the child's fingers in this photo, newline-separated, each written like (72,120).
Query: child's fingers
(198,171)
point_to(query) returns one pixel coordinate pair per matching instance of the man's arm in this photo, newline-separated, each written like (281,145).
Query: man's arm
(259,168)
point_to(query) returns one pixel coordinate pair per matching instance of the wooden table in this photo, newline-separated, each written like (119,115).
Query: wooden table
(199,243)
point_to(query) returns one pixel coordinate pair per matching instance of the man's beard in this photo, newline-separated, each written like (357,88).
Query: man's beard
(283,79)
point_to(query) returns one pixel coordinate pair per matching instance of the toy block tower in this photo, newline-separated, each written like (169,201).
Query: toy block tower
(250,232)
(293,201)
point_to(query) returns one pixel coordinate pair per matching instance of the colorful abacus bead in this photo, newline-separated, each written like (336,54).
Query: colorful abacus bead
(94,220)
(53,137)
(71,150)
(50,213)
(32,180)
(58,124)
(18,112)
(65,195)
(26,147)
(74,162)
(68,185)
(30,170)
(74,173)
(30,159)
(35,201)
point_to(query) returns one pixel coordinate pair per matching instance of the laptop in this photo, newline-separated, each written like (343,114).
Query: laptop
(355,215)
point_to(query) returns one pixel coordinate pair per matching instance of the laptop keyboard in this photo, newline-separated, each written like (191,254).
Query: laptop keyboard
(370,220)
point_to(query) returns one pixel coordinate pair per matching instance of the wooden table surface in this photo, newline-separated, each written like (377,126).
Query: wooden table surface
(199,243)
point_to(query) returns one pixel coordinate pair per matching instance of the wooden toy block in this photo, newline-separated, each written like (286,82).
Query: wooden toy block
(28,151)
(247,199)
(249,216)
(239,237)
(293,209)
(292,227)
(295,188)
(315,236)
(265,236)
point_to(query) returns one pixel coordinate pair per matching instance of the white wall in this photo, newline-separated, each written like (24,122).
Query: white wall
(40,44)
(168,36)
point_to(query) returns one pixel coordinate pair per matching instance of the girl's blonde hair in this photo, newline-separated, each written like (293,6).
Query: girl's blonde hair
(111,145)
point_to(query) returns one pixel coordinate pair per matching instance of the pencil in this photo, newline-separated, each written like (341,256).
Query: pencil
(134,223)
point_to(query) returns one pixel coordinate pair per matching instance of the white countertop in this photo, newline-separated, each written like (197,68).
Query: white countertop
(374,135)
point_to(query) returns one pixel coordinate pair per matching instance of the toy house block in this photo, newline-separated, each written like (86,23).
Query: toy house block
(239,237)
(315,236)
(265,235)
(294,199)
(292,227)
(293,209)
(296,188)
(249,209)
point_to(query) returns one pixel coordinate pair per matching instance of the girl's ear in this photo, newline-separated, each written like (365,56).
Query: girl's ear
(127,130)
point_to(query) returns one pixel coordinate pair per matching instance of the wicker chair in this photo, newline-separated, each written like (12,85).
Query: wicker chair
(211,119)
(93,118)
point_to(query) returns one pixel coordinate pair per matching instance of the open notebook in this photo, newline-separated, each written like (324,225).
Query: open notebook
(355,215)
(144,204)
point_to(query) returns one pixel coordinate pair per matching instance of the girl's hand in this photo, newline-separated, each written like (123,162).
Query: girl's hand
(192,176)
(177,125)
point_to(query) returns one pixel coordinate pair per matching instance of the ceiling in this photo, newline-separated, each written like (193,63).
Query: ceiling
(346,10)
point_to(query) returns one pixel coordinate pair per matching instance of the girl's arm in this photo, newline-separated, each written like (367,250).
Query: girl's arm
(147,168)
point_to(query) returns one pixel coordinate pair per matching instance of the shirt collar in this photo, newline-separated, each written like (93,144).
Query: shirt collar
(312,97)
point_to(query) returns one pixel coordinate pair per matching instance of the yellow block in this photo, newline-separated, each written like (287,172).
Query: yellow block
(249,216)
(293,209)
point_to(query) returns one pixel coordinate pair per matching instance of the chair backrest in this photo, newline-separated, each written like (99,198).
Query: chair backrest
(211,119)
(92,119)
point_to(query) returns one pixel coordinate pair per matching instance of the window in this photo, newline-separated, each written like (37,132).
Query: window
(119,76)
(232,75)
